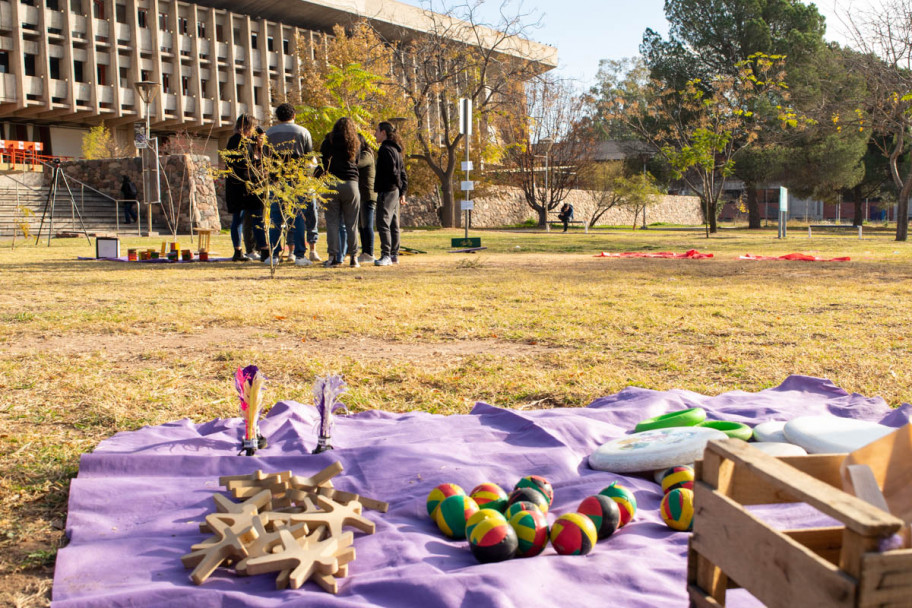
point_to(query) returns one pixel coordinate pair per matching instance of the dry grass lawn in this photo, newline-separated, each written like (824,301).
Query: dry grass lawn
(88,349)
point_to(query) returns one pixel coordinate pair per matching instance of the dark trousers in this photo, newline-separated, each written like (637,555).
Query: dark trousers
(129,214)
(366,226)
(388,222)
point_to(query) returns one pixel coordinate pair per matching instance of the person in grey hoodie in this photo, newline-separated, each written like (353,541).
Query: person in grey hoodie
(390,184)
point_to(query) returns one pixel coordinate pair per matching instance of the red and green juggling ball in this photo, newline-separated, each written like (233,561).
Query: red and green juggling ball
(573,534)
(493,540)
(439,494)
(453,514)
(489,496)
(678,477)
(520,505)
(603,512)
(478,517)
(536,482)
(526,494)
(626,501)
(531,529)
(677,509)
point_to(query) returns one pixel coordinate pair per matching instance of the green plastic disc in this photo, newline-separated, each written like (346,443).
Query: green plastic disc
(735,430)
(690,417)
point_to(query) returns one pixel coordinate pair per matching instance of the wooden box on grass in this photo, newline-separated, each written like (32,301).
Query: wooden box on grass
(835,566)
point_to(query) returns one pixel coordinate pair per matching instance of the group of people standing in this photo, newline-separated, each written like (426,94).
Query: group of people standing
(367,188)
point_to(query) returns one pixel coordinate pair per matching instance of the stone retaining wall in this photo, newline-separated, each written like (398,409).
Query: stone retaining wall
(186,175)
(506,206)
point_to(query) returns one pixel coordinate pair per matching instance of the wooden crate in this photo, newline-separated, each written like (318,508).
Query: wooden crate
(833,567)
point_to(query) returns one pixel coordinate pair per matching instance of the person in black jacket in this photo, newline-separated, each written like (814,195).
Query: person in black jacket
(339,157)
(238,198)
(390,184)
(129,192)
(367,171)
(566,215)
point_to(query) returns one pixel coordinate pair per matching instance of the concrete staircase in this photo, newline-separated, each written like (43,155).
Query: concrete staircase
(24,197)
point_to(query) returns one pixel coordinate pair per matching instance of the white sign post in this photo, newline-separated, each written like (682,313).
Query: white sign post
(783,211)
(465,129)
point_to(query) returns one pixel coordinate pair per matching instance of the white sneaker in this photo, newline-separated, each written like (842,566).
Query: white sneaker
(384,261)
(253,255)
(365,258)
(291,258)
(267,261)
(303,262)
(314,256)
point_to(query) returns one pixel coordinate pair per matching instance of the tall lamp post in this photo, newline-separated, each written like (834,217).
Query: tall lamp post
(548,142)
(147,91)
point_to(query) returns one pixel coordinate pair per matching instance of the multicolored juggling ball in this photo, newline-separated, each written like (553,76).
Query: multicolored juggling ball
(478,517)
(678,477)
(677,509)
(531,528)
(489,496)
(453,514)
(529,495)
(538,483)
(520,505)
(493,539)
(439,494)
(573,534)
(604,513)
(626,501)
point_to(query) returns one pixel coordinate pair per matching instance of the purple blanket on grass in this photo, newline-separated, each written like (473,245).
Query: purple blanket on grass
(136,505)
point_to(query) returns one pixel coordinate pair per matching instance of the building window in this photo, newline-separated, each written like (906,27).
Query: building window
(182,25)
(4,62)
(54,64)
(201,29)
(185,85)
(219,32)
(162,22)
(144,75)
(76,6)
(141,18)
(285,46)
(253,41)
(120,13)
(52,5)
(102,74)
(204,86)
(270,46)
(78,76)
(29,61)
(237,35)
(124,78)
(256,95)
(166,83)
(98,9)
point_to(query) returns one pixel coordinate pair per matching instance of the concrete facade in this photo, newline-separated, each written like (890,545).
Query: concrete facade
(73,63)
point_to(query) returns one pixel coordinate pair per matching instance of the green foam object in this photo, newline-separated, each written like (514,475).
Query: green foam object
(735,430)
(689,417)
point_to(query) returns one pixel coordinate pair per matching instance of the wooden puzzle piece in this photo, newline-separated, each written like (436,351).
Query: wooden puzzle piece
(220,524)
(253,479)
(346,497)
(334,516)
(265,541)
(204,559)
(327,581)
(317,480)
(303,560)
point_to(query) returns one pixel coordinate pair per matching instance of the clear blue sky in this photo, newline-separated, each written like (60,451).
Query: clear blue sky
(586,31)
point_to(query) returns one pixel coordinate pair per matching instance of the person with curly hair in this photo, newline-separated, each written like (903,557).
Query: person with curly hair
(339,157)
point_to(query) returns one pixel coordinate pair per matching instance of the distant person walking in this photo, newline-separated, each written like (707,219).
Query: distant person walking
(566,215)
(367,171)
(129,192)
(390,184)
(239,200)
(339,157)
(292,141)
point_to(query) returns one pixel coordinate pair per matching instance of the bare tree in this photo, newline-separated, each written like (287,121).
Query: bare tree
(611,185)
(883,35)
(552,146)
(460,56)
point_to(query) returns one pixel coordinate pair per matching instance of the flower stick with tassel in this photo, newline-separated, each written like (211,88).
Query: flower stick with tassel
(249,384)
(326,394)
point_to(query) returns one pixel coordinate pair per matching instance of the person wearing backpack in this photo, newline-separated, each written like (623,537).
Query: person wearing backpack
(129,192)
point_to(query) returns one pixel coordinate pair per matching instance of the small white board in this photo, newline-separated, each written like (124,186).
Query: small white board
(832,434)
(654,449)
(770,431)
(777,448)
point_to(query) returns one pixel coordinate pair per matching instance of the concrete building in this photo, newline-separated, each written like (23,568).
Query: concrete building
(66,65)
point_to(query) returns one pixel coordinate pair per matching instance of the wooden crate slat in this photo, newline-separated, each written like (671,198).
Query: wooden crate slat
(774,568)
(857,515)
(699,599)
(886,579)
(825,542)
(748,488)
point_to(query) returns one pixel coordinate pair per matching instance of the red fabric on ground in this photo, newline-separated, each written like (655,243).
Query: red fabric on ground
(800,257)
(693,254)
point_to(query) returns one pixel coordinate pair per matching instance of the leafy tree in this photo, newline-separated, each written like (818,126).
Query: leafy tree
(612,185)
(551,147)
(459,56)
(99,143)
